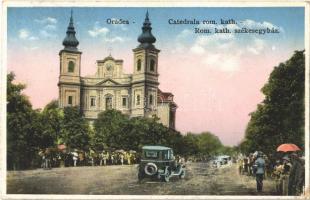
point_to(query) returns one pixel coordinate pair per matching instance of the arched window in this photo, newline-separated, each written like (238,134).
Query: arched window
(138,100)
(71,66)
(108,103)
(92,101)
(151,99)
(139,65)
(152,65)
(70,100)
(124,102)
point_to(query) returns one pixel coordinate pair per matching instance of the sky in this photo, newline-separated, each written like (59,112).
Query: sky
(215,78)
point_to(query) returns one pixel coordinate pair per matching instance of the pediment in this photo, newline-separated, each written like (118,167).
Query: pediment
(107,82)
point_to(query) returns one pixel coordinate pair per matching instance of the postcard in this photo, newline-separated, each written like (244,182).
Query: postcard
(153,100)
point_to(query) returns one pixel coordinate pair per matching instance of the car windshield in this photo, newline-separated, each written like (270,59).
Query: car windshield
(167,155)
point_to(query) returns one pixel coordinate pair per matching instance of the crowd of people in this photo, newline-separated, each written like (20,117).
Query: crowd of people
(287,170)
(52,157)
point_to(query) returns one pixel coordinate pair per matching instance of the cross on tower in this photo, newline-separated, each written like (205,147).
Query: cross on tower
(110,51)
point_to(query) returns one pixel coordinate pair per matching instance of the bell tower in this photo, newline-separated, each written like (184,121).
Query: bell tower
(70,69)
(145,75)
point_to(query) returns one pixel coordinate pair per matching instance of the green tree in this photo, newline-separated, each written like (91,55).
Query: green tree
(280,117)
(148,131)
(23,127)
(175,141)
(228,150)
(116,130)
(209,144)
(109,130)
(191,146)
(52,119)
(203,144)
(137,133)
(76,130)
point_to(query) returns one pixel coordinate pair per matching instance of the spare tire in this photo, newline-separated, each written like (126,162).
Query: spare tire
(150,169)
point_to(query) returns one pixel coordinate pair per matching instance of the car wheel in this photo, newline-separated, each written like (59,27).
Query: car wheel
(182,175)
(150,169)
(166,177)
(140,176)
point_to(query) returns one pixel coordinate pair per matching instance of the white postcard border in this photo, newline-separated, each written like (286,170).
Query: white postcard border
(37,3)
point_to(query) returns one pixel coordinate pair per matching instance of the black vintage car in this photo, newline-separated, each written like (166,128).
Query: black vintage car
(159,162)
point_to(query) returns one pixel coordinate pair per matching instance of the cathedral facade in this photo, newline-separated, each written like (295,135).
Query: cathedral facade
(135,94)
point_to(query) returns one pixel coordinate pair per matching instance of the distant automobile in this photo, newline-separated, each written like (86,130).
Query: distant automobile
(159,161)
(221,160)
(217,163)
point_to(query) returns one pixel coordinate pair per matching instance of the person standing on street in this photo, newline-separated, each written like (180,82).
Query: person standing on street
(297,176)
(259,171)
(122,158)
(75,157)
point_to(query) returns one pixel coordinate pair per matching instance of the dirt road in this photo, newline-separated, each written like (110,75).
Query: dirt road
(200,180)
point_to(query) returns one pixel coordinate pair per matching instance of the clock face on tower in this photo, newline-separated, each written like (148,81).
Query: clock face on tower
(109,67)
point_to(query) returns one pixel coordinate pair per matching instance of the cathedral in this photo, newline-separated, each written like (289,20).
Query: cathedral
(135,94)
